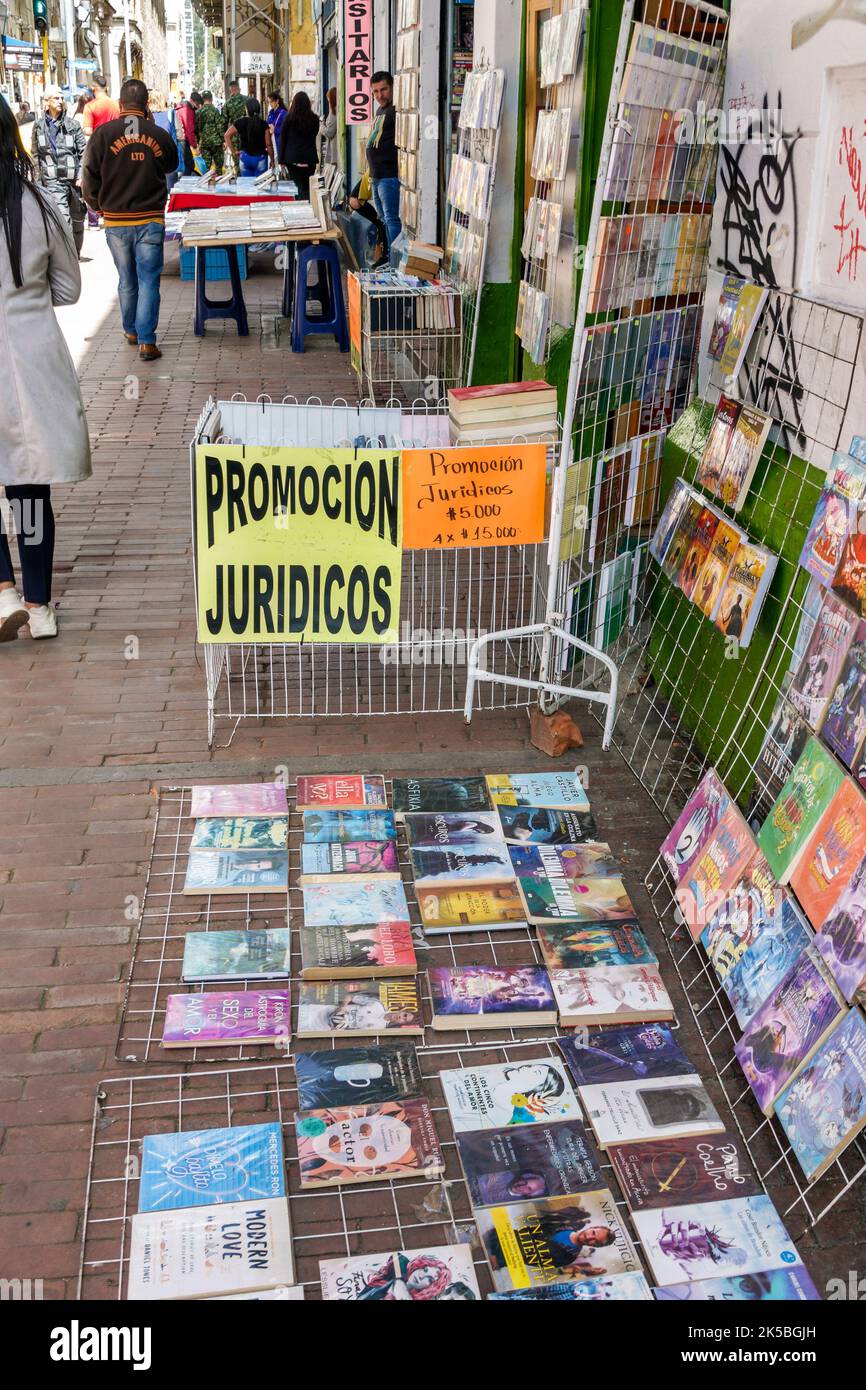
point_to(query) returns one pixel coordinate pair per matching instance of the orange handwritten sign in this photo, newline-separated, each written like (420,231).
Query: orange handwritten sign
(353,286)
(487,495)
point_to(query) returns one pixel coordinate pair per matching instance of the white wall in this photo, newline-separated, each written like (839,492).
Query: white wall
(497,38)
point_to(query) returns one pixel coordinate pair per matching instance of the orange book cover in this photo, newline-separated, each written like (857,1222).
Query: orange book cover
(833,853)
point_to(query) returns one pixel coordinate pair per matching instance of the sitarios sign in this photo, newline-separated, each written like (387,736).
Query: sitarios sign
(297,544)
(484,495)
(358,30)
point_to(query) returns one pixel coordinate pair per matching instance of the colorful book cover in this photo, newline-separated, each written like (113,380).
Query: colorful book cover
(844,725)
(482,907)
(528,1161)
(815,679)
(785,739)
(354,902)
(832,854)
(728,299)
(707,1240)
(623,1288)
(219,1248)
(835,517)
(746,912)
(350,1075)
(684,1171)
(527,1092)
(555,791)
(824,1107)
(237,871)
(448,828)
(715,870)
(628,1112)
(810,607)
(440,1272)
(788,1027)
(560,898)
(712,576)
(359,1008)
(241,833)
(541,1242)
(698,550)
(767,960)
(746,586)
(842,938)
(208,1166)
(624,1054)
(348,793)
(226,1019)
(743,456)
(348,827)
(362,857)
(526,825)
(750,305)
(696,825)
(376,948)
(797,812)
(580,947)
(378,1141)
(611,994)
(668,522)
(462,865)
(712,464)
(682,538)
(240,799)
(850,581)
(573,861)
(764,1286)
(503,992)
(230,955)
(441,794)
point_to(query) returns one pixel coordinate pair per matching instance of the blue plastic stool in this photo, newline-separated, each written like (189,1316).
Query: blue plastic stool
(319,291)
(333,317)
(233,308)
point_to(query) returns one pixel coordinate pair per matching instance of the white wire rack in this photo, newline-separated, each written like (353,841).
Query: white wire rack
(449,597)
(411,338)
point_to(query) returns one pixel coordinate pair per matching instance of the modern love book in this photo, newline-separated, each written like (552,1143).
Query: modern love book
(203,1251)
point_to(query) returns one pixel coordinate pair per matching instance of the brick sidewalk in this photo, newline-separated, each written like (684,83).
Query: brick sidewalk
(87,733)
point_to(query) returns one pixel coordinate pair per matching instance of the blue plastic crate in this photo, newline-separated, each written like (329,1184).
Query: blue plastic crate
(216,263)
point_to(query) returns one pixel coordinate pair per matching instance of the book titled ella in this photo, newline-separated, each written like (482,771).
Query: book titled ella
(240,799)
(674,1172)
(219,1248)
(368,1143)
(349,793)
(487,996)
(227,1018)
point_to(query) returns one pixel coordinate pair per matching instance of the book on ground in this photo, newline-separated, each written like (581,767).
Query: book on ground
(207,1166)
(237,871)
(528,1161)
(374,1142)
(622,1054)
(460,866)
(531,1091)
(483,907)
(227,1019)
(580,947)
(441,794)
(443,1272)
(824,1108)
(220,1248)
(448,829)
(349,1075)
(374,949)
(359,1009)
(682,1171)
(531,1243)
(611,994)
(628,1112)
(320,862)
(557,897)
(706,1240)
(342,827)
(556,791)
(571,861)
(241,833)
(240,799)
(764,1286)
(353,901)
(347,793)
(230,955)
(632,1288)
(489,996)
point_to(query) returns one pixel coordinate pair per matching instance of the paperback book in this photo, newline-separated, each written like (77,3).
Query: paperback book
(440,1272)
(528,1092)
(528,1161)
(349,1075)
(832,854)
(835,517)
(628,1112)
(354,901)
(715,870)
(532,1243)
(633,1053)
(711,578)
(359,1009)
(611,994)
(766,1286)
(230,955)
(668,523)
(373,1142)
(849,583)
(696,825)
(824,1108)
(348,827)
(464,865)
(241,799)
(750,305)
(684,1171)
(698,549)
(227,1019)
(441,794)
(844,724)
(741,461)
(483,907)
(623,1288)
(707,1240)
(335,953)
(218,1248)
(559,898)
(682,538)
(350,793)
(320,862)
(451,828)
(555,791)
(489,996)
(570,861)
(237,871)
(842,938)
(784,741)
(815,679)
(767,960)
(582,946)
(263,833)
(523,825)
(752,908)
(746,586)
(208,1166)
(728,299)
(712,464)
(797,812)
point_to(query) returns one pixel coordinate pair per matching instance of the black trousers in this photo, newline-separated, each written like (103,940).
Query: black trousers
(34,522)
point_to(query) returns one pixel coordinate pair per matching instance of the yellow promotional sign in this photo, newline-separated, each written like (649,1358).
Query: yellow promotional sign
(297,544)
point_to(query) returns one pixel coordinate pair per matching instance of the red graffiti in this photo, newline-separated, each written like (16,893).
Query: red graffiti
(850,243)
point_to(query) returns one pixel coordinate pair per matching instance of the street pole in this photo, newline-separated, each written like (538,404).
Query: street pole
(126,39)
(69,27)
(225,52)
(234,38)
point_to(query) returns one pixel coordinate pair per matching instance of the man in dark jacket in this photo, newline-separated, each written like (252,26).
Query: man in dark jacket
(124,178)
(57,148)
(382,156)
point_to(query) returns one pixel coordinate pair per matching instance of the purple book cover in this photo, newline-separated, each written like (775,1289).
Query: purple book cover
(240,799)
(488,989)
(842,938)
(696,825)
(217,1019)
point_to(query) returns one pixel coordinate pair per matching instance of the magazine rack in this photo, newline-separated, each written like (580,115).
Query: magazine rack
(411,338)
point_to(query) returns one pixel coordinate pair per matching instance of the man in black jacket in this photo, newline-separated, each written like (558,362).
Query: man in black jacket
(57,149)
(382,156)
(124,178)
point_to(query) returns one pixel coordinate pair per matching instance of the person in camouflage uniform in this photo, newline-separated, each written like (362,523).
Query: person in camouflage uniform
(234,107)
(209,130)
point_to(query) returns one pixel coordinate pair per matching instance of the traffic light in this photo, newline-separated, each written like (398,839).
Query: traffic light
(40,16)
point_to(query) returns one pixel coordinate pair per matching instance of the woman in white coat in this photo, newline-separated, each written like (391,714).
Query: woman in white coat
(43,430)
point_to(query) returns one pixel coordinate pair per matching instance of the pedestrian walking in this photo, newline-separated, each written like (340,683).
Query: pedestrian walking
(156,107)
(298,150)
(382,156)
(234,109)
(254,137)
(185,130)
(101,109)
(57,149)
(124,176)
(328,130)
(276,116)
(43,431)
(209,131)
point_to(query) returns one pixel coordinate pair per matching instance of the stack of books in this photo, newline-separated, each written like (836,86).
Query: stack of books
(423,259)
(517,410)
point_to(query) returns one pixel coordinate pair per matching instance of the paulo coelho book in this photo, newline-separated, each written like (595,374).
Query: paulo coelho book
(257,954)
(832,854)
(219,1248)
(240,799)
(696,824)
(206,1166)
(615,1288)
(683,1171)
(334,953)
(524,1161)
(350,1075)
(237,871)
(439,1273)
(824,1108)
(482,907)
(373,1142)
(634,1052)
(556,791)
(490,996)
(349,793)
(580,946)
(441,794)
(528,1091)
(240,833)
(746,586)
(326,827)
(797,812)
(225,1019)
(532,1243)
(628,1112)
(359,1009)
(611,994)
(744,1235)
(319,863)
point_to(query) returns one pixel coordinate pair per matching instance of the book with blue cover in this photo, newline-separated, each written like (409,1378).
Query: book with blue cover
(538,825)
(449,828)
(824,1107)
(321,862)
(240,832)
(767,960)
(631,1288)
(344,827)
(352,901)
(764,1286)
(557,791)
(257,954)
(202,1167)
(237,871)
(462,865)
(623,1054)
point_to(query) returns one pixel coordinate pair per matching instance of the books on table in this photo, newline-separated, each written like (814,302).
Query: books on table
(684,1171)
(824,1108)
(633,1052)
(419,1276)
(359,1009)
(237,871)
(532,1091)
(240,799)
(528,1161)
(218,1248)
(227,1018)
(349,1075)
(532,1243)
(372,949)
(374,1142)
(489,996)
(628,1112)
(208,1166)
(716,1239)
(256,954)
(611,994)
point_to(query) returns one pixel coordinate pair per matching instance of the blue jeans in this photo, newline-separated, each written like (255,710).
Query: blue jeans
(138,253)
(386,201)
(252,164)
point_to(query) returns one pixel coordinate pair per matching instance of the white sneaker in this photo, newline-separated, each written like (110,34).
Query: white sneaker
(43,621)
(13,614)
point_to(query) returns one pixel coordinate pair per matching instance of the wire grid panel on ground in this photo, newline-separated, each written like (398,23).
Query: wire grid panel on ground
(449,597)
(799,1202)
